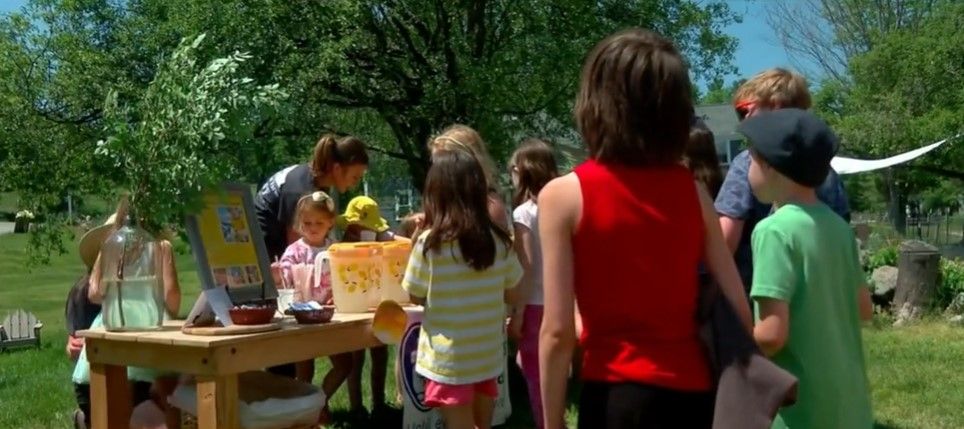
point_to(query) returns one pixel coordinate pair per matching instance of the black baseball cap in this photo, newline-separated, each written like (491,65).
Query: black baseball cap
(794,142)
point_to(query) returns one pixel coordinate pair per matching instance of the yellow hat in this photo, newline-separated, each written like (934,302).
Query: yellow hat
(92,241)
(363,211)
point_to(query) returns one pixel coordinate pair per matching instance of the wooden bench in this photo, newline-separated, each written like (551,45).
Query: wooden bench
(20,328)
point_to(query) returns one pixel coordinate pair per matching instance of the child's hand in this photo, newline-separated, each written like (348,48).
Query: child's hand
(74,346)
(276,274)
(515,326)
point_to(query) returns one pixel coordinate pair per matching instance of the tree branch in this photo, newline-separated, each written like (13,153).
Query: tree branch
(86,118)
(476,26)
(538,107)
(420,27)
(451,59)
(940,171)
(410,44)
(390,153)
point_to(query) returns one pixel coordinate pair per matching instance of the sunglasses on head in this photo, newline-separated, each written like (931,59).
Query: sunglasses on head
(744,108)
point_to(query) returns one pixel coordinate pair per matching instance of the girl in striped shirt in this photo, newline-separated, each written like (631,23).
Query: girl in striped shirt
(463,270)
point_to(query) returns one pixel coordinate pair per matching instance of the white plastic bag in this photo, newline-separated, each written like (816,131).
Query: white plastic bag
(301,404)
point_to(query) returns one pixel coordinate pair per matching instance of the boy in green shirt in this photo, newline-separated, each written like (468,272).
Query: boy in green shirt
(807,281)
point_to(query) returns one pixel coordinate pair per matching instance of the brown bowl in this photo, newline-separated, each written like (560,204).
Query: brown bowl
(252,315)
(310,317)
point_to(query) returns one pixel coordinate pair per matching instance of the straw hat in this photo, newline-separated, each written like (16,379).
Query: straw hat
(92,241)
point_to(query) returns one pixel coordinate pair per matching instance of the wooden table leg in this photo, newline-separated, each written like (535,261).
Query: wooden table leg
(110,396)
(217,402)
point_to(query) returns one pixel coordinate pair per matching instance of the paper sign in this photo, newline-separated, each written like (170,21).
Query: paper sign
(228,245)
(211,303)
(416,414)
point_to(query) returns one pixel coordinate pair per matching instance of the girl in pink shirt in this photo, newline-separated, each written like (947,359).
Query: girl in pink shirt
(314,218)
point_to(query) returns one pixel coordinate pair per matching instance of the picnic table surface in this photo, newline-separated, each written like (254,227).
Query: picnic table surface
(215,361)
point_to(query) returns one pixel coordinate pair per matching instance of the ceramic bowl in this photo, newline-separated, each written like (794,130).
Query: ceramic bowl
(252,315)
(310,317)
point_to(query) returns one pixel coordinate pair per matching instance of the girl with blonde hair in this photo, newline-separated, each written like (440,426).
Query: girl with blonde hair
(463,138)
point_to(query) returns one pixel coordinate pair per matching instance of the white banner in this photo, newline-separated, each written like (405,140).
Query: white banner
(844,165)
(416,414)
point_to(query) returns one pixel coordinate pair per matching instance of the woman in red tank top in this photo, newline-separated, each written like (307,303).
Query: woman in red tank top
(625,234)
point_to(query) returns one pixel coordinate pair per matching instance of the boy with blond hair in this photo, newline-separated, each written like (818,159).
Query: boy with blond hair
(772,89)
(739,210)
(808,284)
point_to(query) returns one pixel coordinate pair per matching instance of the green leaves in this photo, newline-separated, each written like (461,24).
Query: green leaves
(98,96)
(178,139)
(907,90)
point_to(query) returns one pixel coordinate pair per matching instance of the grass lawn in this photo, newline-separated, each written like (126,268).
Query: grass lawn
(914,371)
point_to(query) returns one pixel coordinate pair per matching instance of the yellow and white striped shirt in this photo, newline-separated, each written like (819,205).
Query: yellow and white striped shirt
(463,330)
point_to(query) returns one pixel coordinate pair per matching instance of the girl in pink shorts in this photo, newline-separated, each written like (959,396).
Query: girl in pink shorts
(531,167)
(463,270)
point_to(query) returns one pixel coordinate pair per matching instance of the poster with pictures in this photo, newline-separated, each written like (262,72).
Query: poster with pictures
(416,415)
(226,241)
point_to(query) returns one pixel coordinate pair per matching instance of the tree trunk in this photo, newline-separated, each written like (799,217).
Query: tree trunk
(918,266)
(898,203)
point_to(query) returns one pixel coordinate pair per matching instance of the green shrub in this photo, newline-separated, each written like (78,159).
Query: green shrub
(951,282)
(886,255)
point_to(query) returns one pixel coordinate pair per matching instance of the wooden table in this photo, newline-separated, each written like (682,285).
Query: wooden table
(216,362)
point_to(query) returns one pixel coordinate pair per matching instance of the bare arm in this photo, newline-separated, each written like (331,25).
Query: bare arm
(172,288)
(512,297)
(523,249)
(732,231)
(866,306)
(558,213)
(719,261)
(497,212)
(773,329)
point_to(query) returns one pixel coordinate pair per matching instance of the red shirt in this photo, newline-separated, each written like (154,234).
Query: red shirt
(636,253)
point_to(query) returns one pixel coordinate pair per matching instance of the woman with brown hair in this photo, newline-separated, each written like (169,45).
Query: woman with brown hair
(625,234)
(337,163)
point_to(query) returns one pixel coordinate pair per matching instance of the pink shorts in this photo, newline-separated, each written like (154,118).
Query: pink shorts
(447,395)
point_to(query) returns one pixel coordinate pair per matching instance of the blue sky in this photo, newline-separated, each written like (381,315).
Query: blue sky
(758,48)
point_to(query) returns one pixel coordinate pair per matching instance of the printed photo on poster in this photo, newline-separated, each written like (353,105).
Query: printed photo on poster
(254,277)
(221,277)
(234,229)
(237,276)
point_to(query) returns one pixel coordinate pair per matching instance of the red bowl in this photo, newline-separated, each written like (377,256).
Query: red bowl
(252,316)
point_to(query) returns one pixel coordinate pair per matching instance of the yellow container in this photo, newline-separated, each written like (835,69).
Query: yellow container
(355,276)
(394,256)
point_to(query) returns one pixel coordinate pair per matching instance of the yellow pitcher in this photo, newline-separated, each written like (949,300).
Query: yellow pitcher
(394,256)
(355,276)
